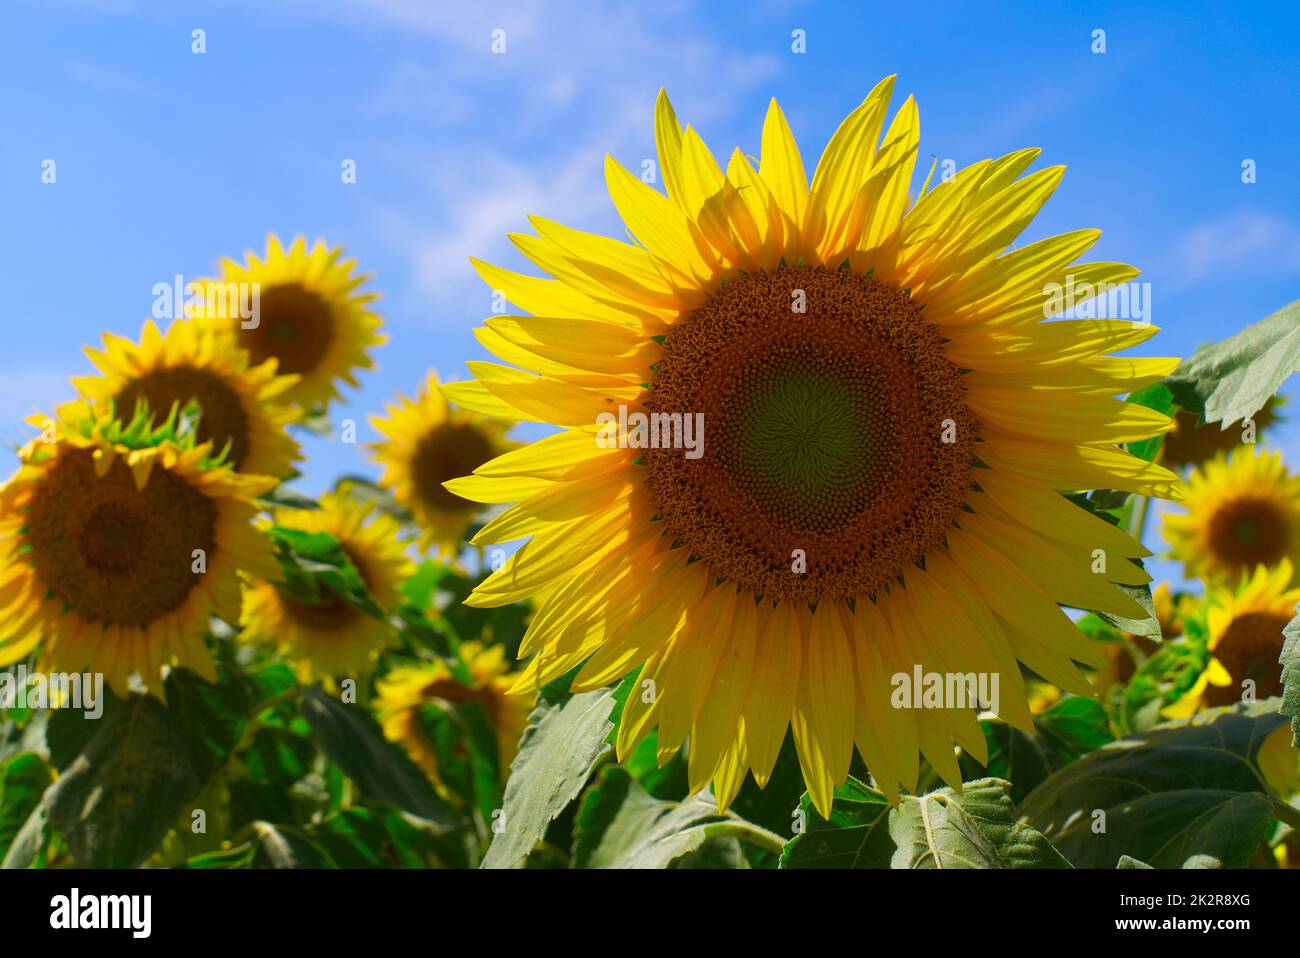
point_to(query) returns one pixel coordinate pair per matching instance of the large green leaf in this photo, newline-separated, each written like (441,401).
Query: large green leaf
(566,738)
(1071,727)
(855,836)
(1234,378)
(976,828)
(620,825)
(1178,790)
(1291,677)
(380,769)
(127,777)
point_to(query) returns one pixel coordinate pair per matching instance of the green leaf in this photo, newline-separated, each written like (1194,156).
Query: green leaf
(366,490)
(977,828)
(1290,660)
(380,769)
(620,825)
(564,742)
(1234,378)
(1071,727)
(282,497)
(1178,790)
(126,777)
(23,780)
(1148,627)
(855,836)
(316,567)
(1158,397)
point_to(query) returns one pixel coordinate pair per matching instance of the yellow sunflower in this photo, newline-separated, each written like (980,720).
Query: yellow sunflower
(404,691)
(113,559)
(332,638)
(1192,442)
(309,315)
(1244,626)
(1243,511)
(861,428)
(427,441)
(239,405)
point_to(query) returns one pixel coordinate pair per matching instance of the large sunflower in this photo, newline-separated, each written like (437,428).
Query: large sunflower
(311,318)
(238,404)
(404,691)
(1243,511)
(888,423)
(332,638)
(1244,625)
(113,557)
(427,441)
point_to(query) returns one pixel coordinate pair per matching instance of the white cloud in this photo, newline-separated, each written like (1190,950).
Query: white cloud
(1245,242)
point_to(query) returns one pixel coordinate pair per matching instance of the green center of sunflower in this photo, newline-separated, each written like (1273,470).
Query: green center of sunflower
(448,451)
(294,326)
(223,417)
(1246,532)
(112,553)
(838,448)
(1249,649)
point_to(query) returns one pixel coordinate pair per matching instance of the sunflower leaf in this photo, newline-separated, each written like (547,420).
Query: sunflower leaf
(1290,660)
(316,566)
(566,738)
(1070,728)
(976,828)
(855,836)
(23,780)
(1179,790)
(1233,378)
(354,742)
(620,825)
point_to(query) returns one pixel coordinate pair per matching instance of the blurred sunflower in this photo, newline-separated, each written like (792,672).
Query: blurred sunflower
(117,546)
(1244,627)
(1192,443)
(239,405)
(1243,511)
(333,637)
(404,691)
(427,442)
(889,424)
(310,318)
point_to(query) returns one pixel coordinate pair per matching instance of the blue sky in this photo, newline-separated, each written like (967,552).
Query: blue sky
(167,159)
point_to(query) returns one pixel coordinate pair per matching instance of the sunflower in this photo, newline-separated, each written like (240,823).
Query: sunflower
(861,427)
(309,315)
(404,691)
(1193,442)
(239,405)
(1243,511)
(428,442)
(332,638)
(114,555)
(1244,627)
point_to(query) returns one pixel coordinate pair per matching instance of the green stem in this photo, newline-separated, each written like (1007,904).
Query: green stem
(770,842)
(1140,511)
(1286,813)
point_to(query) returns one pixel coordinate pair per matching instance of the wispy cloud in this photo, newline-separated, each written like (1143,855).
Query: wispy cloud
(1247,242)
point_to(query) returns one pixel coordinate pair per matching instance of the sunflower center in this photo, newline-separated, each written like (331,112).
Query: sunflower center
(112,553)
(333,613)
(1249,649)
(294,326)
(838,448)
(1248,532)
(448,451)
(223,417)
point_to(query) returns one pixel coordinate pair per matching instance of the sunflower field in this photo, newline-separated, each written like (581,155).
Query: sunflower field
(804,525)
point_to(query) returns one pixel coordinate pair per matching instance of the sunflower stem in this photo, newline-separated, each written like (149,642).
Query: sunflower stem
(1286,813)
(1140,517)
(755,835)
